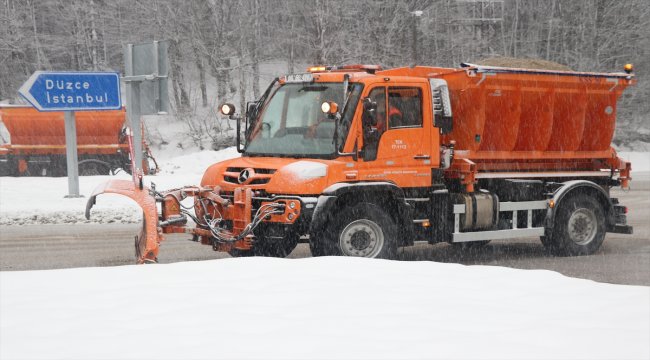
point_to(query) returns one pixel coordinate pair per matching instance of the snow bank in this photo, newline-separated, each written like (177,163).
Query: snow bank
(318,308)
(40,200)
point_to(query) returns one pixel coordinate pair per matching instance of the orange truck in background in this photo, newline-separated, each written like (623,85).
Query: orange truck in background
(359,161)
(37,143)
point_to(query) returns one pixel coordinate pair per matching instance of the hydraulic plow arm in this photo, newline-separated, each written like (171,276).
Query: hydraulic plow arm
(212,215)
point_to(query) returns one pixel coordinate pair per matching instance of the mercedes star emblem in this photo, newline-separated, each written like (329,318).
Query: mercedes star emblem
(243,176)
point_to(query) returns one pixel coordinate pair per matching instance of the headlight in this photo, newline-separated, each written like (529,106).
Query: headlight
(227,109)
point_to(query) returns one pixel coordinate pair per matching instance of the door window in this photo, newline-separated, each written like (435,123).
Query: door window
(404,107)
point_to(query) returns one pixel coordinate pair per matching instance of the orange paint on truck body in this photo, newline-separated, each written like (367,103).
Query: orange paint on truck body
(39,137)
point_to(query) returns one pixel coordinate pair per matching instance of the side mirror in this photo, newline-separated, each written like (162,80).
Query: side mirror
(227,109)
(368,104)
(251,108)
(442,114)
(369,117)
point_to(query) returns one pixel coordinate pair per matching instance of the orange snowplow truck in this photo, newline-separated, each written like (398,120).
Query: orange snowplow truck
(361,161)
(37,146)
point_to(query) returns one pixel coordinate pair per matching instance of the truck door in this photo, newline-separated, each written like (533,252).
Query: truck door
(398,148)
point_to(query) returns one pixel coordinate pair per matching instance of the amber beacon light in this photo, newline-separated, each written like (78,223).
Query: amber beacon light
(628,68)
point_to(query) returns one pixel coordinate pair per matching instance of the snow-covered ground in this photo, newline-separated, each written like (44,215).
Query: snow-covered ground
(318,308)
(38,200)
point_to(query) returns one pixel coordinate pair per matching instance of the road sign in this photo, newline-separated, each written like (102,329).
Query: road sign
(72,91)
(69,92)
(147,65)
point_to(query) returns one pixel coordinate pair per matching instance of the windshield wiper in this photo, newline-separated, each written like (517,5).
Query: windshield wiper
(253,115)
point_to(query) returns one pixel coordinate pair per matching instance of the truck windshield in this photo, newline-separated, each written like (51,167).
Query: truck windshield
(292,124)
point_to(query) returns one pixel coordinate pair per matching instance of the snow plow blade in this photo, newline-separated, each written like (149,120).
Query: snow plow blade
(148,241)
(224,223)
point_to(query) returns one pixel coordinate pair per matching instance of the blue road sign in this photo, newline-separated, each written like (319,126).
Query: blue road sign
(72,91)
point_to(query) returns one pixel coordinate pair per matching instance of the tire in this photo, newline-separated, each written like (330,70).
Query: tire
(579,227)
(363,230)
(269,247)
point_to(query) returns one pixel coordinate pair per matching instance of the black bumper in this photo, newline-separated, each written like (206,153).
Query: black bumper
(621,229)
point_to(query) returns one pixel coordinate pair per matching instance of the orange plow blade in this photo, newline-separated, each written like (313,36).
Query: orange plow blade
(147,243)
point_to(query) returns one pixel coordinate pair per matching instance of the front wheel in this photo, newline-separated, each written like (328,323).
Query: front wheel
(579,227)
(363,230)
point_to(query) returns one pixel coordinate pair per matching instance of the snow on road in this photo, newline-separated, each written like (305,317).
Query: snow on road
(40,200)
(318,308)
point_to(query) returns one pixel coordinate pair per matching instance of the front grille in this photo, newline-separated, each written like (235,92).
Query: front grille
(261,176)
(257,171)
(260,181)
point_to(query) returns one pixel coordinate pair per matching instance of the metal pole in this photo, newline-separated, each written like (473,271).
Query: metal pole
(136,124)
(414,41)
(133,108)
(71,154)
(414,50)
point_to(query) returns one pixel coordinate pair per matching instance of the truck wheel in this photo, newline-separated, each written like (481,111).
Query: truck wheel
(579,227)
(363,230)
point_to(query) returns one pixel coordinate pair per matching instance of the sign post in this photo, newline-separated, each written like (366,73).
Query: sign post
(70,92)
(71,154)
(145,77)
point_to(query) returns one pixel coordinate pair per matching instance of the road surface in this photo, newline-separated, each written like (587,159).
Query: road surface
(623,259)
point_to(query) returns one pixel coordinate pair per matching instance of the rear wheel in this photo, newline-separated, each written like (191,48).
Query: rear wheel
(579,227)
(363,230)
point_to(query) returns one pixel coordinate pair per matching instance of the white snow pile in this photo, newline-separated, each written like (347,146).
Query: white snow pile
(40,200)
(318,308)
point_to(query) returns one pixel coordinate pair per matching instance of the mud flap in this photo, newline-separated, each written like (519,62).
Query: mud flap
(148,241)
